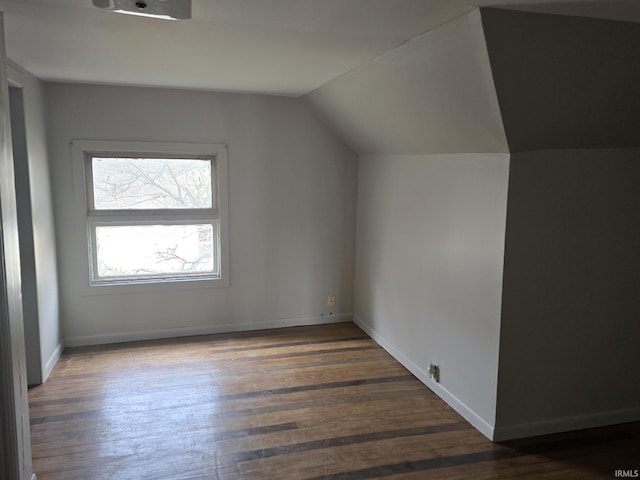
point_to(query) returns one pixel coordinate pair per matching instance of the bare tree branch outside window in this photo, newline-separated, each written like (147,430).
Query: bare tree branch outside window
(148,183)
(153,184)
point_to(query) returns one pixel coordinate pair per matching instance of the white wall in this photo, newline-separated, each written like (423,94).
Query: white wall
(38,245)
(431,209)
(25,233)
(430,244)
(291,211)
(569,354)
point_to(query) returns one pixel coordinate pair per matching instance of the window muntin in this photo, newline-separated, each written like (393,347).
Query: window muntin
(152,218)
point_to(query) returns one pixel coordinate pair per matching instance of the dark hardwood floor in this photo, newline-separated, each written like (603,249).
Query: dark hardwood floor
(320,402)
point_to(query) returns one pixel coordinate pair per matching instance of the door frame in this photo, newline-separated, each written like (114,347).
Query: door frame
(15,443)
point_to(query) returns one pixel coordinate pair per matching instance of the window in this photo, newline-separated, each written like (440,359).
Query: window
(155,213)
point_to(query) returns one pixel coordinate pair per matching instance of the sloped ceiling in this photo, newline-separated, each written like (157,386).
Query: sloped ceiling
(434,94)
(281,47)
(390,76)
(565,82)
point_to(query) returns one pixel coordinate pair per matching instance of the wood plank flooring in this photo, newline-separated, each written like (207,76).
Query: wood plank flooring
(320,402)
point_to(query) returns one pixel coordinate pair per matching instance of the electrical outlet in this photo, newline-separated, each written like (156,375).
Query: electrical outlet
(434,372)
(331,301)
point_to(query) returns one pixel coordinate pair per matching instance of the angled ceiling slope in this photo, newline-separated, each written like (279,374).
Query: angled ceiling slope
(279,47)
(564,82)
(434,94)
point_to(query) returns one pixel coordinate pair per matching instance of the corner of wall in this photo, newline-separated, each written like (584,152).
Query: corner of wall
(460,407)
(51,361)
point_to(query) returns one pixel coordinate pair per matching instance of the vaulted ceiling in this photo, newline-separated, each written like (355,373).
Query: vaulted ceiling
(282,47)
(434,94)
(494,81)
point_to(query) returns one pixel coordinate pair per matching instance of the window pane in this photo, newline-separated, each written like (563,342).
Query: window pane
(152,250)
(151,183)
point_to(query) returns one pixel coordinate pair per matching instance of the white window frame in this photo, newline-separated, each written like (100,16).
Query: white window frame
(82,153)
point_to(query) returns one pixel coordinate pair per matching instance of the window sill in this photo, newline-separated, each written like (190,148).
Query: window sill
(124,287)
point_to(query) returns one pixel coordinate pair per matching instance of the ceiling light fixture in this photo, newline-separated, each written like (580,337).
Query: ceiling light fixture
(165,9)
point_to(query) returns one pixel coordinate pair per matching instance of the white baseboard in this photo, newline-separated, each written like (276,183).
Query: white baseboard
(51,362)
(469,415)
(205,330)
(566,424)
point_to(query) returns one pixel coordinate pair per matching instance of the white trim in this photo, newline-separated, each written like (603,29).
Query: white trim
(206,330)
(566,424)
(469,415)
(53,359)
(14,76)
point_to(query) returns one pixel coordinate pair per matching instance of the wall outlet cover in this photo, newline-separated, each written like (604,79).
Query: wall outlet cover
(331,301)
